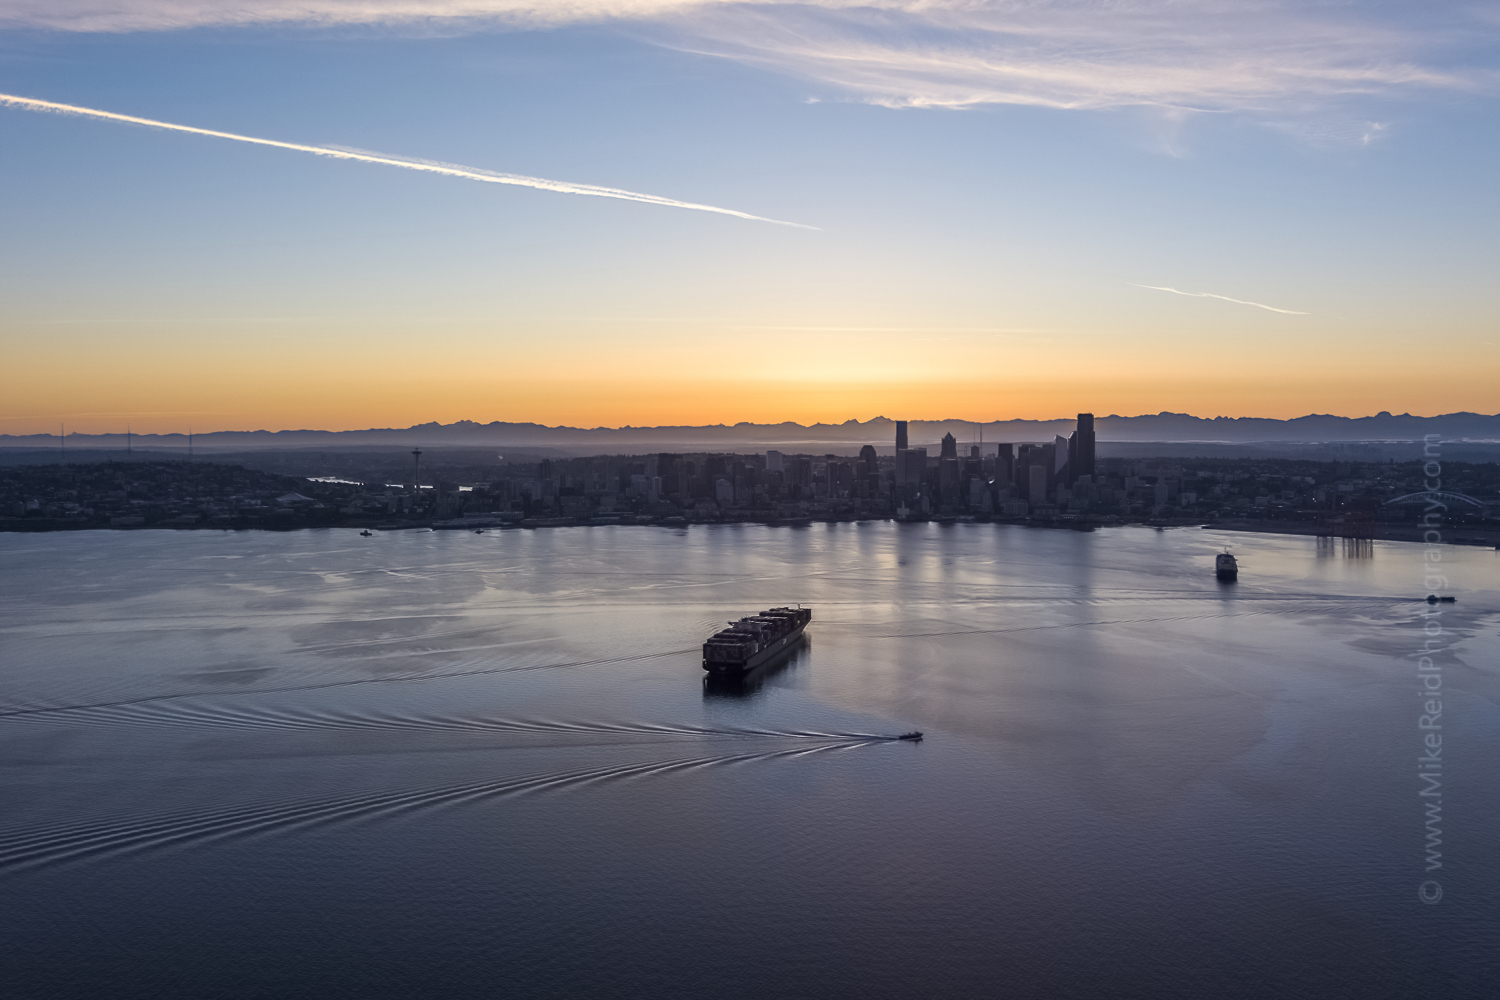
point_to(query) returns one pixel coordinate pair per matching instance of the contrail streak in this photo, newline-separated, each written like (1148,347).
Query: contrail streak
(1211,295)
(449,169)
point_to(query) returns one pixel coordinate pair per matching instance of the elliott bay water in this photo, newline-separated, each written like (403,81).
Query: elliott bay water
(442,764)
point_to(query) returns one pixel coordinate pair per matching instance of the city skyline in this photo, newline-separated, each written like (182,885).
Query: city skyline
(1017,211)
(1385,428)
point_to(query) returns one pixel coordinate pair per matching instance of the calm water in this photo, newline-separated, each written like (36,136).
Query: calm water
(455,765)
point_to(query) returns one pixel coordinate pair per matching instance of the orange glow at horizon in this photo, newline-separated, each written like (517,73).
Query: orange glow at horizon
(157,382)
(363,404)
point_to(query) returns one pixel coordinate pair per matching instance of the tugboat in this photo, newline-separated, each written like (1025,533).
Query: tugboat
(1225,568)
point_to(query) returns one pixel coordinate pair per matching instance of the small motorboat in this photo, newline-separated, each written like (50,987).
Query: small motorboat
(1225,568)
(914,736)
(1435,599)
(478,531)
(367,533)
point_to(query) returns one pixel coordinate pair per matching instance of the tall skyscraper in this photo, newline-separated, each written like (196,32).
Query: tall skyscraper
(950,447)
(1061,471)
(1083,464)
(1005,464)
(901,450)
(913,466)
(867,472)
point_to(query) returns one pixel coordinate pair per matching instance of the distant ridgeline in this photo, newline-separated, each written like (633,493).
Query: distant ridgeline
(1178,429)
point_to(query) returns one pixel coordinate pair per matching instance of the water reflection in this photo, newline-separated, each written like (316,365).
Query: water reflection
(1333,546)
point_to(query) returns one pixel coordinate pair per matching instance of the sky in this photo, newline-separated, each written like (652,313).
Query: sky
(641,212)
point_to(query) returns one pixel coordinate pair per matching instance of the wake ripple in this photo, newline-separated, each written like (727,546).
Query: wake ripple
(186,715)
(14,711)
(38,848)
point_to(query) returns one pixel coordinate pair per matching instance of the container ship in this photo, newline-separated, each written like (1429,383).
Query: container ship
(752,641)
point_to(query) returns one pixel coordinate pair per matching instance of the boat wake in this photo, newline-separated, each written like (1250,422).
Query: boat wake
(22,850)
(181,713)
(16,711)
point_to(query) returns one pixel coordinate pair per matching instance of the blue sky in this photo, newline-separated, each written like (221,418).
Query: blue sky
(990,184)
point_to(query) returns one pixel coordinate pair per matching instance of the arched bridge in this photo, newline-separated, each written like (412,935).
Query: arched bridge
(1430,495)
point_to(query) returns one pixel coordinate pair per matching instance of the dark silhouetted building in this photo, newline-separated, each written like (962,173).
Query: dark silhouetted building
(1005,464)
(1034,470)
(1080,443)
(1083,459)
(912,467)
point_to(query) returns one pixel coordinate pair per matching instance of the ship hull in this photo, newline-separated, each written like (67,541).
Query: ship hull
(780,647)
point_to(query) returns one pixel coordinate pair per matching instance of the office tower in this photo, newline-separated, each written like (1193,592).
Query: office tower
(1005,464)
(948,478)
(1060,474)
(950,447)
(867,472)
(668,469)
(913,466)
(1083,463)
(1037,485)
(773,461)
(800,477)
(901,450)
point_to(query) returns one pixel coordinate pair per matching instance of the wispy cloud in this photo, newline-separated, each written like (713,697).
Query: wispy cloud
(1276,58)
(1211,295)
(447,169)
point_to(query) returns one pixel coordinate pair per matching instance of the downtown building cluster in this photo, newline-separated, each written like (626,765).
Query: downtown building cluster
(1013,481)
(1060,482)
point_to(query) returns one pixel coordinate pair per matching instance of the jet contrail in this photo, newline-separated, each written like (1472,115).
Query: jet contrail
(1211,295)
(450,169)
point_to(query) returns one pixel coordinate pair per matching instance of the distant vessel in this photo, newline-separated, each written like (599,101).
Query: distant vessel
(1225,568)
(366,533)
(915,735)
(749,642)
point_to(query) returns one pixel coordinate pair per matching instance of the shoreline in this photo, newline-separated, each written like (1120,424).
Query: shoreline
(1478,536)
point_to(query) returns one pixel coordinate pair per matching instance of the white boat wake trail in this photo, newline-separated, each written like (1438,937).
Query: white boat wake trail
(22,850)
(183,713)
